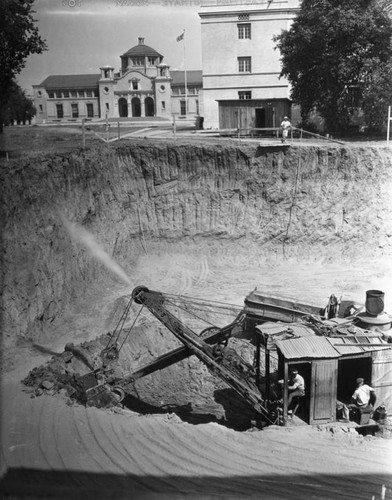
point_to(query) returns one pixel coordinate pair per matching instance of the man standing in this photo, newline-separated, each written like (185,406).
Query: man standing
(363,395)
(296,386)
(285,126)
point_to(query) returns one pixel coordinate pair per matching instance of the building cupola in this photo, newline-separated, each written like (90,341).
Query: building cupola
(141,57)
(107,72)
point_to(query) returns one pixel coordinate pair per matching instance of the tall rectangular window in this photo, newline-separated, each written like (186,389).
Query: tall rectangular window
(244,65)
(182,108)
(197,107)
(59,111)
(244,95)
(244,31)
(163,103)
(90,110)
(66,93)
(75,110)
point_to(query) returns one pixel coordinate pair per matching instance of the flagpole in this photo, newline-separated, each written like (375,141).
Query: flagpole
(186,84)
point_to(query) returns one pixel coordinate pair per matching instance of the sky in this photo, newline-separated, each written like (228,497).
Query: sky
(83,35)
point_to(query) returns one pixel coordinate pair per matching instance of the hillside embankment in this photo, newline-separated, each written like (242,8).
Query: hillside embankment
(144,198)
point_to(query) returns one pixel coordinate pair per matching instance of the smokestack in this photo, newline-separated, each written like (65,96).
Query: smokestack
(374,302)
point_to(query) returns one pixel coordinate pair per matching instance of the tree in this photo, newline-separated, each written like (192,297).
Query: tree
(19,37)
(333,47)
(377,96)
(18,108)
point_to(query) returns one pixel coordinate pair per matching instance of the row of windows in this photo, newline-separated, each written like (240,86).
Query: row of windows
(90,109)
(141,61)
(75,110)
(181,90)
(73,94)
(244,95)
(183,110)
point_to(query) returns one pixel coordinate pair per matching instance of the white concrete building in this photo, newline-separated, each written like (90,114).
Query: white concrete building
(241,68)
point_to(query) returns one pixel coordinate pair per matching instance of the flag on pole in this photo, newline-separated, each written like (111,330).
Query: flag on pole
(181,37)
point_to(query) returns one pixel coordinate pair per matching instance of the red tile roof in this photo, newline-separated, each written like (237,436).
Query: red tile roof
(71,81)
(141,50)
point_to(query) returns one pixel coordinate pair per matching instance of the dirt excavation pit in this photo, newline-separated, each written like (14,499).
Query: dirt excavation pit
(204,224)
(211,222)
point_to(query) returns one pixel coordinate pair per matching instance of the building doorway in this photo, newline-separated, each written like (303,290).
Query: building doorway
(260,119)
(122,107)
(349,369)
(305,370)
(149,106)
(136,107)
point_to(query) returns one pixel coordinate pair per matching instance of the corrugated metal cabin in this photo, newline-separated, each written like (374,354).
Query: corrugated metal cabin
(329,366)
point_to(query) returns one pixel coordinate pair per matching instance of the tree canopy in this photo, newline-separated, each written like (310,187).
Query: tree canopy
(18,108)
(332,49)
(19,37)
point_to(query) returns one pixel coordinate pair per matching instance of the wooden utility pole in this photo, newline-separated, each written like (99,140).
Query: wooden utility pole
(83,134)
(174,125)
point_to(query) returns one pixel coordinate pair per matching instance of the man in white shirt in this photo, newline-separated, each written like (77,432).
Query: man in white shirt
(360,399)
(285,126)
(296,386)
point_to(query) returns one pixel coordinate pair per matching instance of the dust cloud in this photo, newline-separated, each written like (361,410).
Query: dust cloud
(83,237)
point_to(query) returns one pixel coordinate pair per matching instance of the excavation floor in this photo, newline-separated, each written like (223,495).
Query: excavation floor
(52,449)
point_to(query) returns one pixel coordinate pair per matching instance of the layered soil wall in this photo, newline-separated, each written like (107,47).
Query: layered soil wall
(332,200)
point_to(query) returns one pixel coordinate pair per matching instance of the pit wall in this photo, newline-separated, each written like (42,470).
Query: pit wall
(327,199)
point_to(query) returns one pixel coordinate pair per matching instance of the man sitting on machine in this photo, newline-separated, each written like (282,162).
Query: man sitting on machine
(363,396)
(296,386)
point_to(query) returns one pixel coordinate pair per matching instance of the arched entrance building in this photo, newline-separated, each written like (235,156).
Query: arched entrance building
(144,87)
(122,107)
(149,106)
(136,107)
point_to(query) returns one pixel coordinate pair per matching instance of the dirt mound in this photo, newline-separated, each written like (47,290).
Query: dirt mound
(186,388)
